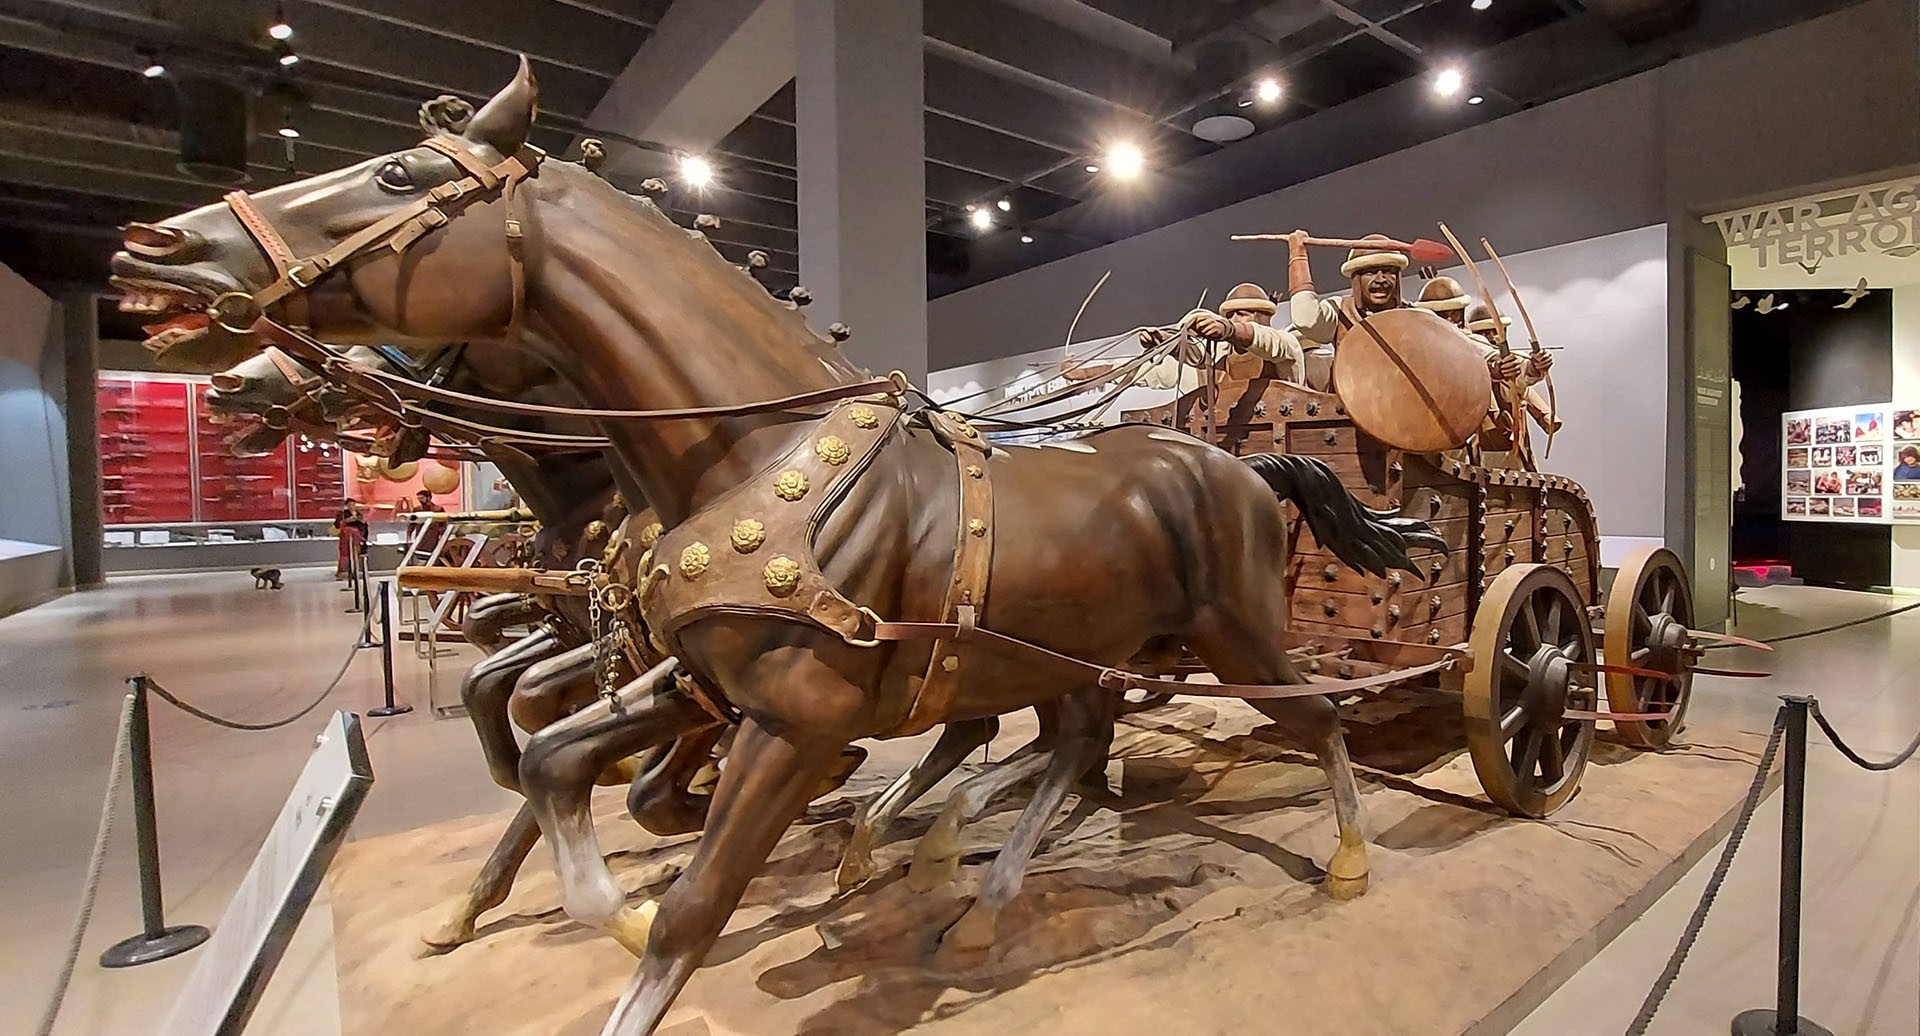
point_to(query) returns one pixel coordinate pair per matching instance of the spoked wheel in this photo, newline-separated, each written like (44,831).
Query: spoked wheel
(1529,635)
(462,599)
(1649,621)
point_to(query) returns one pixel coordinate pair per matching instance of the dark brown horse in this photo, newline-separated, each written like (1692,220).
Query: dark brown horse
(1131,536)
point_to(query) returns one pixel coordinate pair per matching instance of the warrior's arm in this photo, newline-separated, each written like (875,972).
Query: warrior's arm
(1316,319)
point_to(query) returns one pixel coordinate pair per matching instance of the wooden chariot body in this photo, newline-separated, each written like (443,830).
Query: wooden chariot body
(1517,598)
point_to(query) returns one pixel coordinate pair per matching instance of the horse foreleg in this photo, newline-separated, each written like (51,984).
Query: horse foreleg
(486,621)
(957,741)
(557,773)
(552,688)
(1086,719)
(491,885)
(766,783)
(659,799)
(486,691)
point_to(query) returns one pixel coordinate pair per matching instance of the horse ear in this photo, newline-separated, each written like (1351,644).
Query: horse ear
(503,122)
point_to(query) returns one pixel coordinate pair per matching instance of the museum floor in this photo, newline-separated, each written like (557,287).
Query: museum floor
(256,655)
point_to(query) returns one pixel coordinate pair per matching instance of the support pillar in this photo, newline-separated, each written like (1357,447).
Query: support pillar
(862,152)
(80,325)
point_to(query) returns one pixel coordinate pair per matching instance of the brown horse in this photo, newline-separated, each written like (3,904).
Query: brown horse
(1130,536)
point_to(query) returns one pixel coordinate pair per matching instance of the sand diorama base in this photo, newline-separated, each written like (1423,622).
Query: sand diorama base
(1182,898)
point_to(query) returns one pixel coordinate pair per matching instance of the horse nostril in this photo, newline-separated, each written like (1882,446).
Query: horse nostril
(226,381)
(157,242)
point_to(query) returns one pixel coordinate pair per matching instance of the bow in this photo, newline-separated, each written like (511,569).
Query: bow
(1518,419)
(1533,339)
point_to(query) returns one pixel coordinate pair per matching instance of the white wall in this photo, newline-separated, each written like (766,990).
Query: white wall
(34,530)
(1602,301)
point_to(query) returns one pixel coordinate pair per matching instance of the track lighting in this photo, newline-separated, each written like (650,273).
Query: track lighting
(697,172)
(280,29)
(150,65)
(288,58)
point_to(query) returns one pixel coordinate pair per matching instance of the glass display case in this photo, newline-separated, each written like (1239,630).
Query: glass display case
(146,452)
(230,488)
(319,478)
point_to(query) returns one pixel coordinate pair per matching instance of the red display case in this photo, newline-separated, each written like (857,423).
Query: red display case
(319,482)
(146,451)
(231,488)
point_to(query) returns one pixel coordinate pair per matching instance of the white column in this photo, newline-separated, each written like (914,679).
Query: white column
(1905,568)
(862,151)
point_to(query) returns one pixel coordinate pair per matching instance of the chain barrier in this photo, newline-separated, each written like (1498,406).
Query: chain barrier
(1672,971)
(1847,750)
(233,724)
(96,860)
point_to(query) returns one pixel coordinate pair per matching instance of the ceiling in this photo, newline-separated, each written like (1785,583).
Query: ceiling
(1020,96)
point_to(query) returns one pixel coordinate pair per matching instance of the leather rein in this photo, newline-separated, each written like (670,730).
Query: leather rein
(244,312)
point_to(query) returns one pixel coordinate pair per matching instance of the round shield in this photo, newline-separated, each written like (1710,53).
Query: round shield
(1411,380)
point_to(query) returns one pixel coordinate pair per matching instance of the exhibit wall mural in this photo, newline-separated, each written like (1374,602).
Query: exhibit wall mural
(1851,464)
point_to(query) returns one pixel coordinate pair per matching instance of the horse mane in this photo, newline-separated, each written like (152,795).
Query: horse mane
(693,244)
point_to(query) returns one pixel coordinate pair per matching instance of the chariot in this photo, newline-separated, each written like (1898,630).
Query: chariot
(1517,600)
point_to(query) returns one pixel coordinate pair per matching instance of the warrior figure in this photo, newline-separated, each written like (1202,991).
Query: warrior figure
(1374,273)
(1245,325)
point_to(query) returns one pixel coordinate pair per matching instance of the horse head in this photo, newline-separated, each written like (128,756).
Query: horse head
(199,274)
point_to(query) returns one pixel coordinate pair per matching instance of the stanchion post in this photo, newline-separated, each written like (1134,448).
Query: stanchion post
(156,941)
(1784,1019)
(391,708)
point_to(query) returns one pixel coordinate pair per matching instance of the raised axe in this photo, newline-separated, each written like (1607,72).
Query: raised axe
(1419,250)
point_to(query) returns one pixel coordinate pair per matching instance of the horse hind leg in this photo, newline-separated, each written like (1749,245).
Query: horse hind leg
(1242,653)
(767,782)
(486,691)
(957,741)
(558,772)
(936,860)
(1086,730)
(659,798)
(491,885)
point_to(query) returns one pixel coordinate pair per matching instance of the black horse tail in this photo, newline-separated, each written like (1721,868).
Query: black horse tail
(1368,540)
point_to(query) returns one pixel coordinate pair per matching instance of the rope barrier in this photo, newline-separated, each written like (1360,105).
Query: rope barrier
(1672,971)
(201,714)
(1847,750)
(1826,629)
(96,860)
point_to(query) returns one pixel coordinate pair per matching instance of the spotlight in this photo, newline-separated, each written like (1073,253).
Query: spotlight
(1449,81)
(1004,204)
(1125,161)
(696,171)
(1476,99)
(288,131)
(1026,239)
(982,219)
(280,30)
(1267,91)
(1481,5)
(151,66)
(1091,168)
(288,58)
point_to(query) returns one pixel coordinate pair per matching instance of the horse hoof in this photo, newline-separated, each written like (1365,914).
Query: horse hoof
(931,872)
(1342,889)
(452,935)
(969,937)
(854,872)
(631,925)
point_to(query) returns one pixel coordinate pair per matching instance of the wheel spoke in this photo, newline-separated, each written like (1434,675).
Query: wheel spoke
(1532,623)
(1642,623)
(1640,656)
(1666,600)
(1527,756)
(1513,667)
(1553,620)
(1553,762)
(1512,723)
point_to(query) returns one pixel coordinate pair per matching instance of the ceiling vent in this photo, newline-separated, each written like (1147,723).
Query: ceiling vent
(214,129)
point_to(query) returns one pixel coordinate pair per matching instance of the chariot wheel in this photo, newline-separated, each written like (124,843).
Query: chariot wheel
(1649,622)
(1529,636)
(456,613)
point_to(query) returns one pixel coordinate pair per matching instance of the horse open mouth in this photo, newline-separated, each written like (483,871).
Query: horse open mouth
(179,312)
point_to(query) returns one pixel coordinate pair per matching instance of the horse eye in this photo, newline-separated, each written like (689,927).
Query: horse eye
(394,177)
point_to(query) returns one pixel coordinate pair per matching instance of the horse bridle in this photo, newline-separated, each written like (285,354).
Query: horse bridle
(241,312)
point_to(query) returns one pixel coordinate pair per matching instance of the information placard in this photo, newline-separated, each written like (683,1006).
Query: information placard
(1857,463)
(226,984)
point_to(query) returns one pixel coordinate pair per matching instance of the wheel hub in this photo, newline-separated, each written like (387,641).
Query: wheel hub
(1549,672)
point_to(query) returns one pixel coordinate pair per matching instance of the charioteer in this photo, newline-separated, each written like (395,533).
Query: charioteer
(1490,333)
(1244,325)
(1373,268)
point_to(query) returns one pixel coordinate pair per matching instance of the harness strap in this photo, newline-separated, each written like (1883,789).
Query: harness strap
(966,596)
(1122,680)
(271,243)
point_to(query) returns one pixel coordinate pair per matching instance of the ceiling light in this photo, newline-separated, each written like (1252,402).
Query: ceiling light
(1091,168)
(1448,81)
(151,66)
(1026,239)
(288,58)
(1476,99)
(1481,5)
(695,171)
(1004,204)
(1124,160)
(982,219)
(1267,91)
(280,30)
(288,131)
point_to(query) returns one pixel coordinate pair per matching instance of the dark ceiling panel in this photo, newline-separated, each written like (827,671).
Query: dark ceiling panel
(763,140)
(540,28)
(970,147)
(957,187)
(1000,37)
(1359,66)
(1380,10)
(965,92)
(1447,31)
(1313,35)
